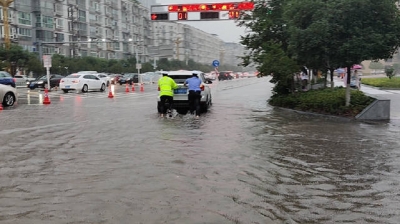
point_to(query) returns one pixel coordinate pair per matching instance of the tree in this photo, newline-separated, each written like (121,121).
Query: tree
(268,44)
(364,30)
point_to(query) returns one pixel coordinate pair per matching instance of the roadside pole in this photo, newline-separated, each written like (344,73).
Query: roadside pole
(47,65)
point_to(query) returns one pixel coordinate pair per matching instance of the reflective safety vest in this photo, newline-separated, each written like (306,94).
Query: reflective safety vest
(167,86)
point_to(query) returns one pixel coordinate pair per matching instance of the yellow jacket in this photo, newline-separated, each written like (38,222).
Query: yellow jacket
(167,86)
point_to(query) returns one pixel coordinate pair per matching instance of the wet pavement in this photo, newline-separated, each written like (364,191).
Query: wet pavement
(86,158)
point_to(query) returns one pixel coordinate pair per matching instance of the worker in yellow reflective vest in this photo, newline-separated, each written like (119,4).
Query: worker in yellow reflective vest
(166,85)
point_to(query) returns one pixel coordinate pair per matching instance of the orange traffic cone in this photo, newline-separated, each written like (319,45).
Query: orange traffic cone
(110,94)
(46,97)
(133,87)
(126,88)
(141,87)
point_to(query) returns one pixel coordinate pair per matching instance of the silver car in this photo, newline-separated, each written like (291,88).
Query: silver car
(181,98)
(8,95)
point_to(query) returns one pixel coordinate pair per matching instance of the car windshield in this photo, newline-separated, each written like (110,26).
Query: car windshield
(128,75)
(73,76)
(43,78)
(180,78)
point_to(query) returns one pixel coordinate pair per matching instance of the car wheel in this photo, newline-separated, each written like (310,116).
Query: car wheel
(103,87)
(65,90)
(85,88)
(9,99)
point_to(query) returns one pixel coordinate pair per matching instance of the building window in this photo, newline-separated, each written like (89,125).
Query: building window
(44,21)
(46,5)
(24,18)
(44,35)
(59,23)
(82,16)
(117,46)
(60,37)
(25,32)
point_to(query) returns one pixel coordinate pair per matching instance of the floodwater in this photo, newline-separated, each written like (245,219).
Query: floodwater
(100,160)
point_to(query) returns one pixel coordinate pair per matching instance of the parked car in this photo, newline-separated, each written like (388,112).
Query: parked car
(41,82)
(104,77)
(83,82)
(22,80)
(8,95)
(6,79)
(225,75)
(129,78)
(115,78)
(181,101)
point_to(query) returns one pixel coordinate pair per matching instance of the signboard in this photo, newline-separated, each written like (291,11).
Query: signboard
(200,11)
(47,61)
(138,66)
(215,63)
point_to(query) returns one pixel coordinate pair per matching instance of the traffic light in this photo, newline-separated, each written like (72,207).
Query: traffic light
(160,16)
(182,16)
(209,15)
(234,14)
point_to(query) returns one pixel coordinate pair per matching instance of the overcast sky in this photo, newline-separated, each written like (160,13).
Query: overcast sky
(228,31)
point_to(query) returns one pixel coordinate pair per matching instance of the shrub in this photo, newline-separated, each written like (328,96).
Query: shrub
(324,101)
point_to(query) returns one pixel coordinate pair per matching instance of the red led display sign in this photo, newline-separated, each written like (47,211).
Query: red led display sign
(211,7)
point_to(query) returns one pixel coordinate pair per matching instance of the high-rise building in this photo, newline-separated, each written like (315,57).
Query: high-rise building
(111,29)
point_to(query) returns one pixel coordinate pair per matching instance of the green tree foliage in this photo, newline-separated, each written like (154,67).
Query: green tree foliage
(320,34)
(268,44)
(390,72)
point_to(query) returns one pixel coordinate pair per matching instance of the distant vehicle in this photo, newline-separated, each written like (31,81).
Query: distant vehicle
(41,82)
(225,75)
(115,78)
(129,78)
(8,95)
(6,79)
(105,77)
(22,80)
(83,82)
(87,72)
(181,101)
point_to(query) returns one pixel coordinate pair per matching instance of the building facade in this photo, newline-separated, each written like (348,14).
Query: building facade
(111,29)
(232,53)
(183,42)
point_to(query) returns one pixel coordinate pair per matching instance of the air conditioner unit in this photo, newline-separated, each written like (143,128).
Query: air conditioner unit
(57,50)
(13,36)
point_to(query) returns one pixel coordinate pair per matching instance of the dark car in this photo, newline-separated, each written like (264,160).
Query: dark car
(42,81)
(6,79)
(225,75)
(129,78)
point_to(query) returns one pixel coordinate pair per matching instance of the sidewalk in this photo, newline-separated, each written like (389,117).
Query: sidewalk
(393,95)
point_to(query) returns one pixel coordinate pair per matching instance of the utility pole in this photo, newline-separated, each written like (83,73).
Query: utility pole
(177,42)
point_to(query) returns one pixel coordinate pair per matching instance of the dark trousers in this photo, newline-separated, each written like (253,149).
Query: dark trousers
(194,101)
(164,99)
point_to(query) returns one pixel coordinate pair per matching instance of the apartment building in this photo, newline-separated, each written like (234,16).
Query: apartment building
(183,42)
(111,29)
(232,53)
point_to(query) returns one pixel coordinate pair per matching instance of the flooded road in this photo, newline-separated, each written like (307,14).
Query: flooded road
(100,160)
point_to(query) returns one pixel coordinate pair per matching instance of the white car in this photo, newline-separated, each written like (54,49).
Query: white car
(181,99)
(8,95)
(104,77)
(82,82)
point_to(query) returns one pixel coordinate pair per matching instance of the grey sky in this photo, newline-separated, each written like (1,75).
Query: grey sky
(228,31)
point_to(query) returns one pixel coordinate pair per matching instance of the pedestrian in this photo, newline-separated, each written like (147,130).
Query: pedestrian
(166,86)
(194,85)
